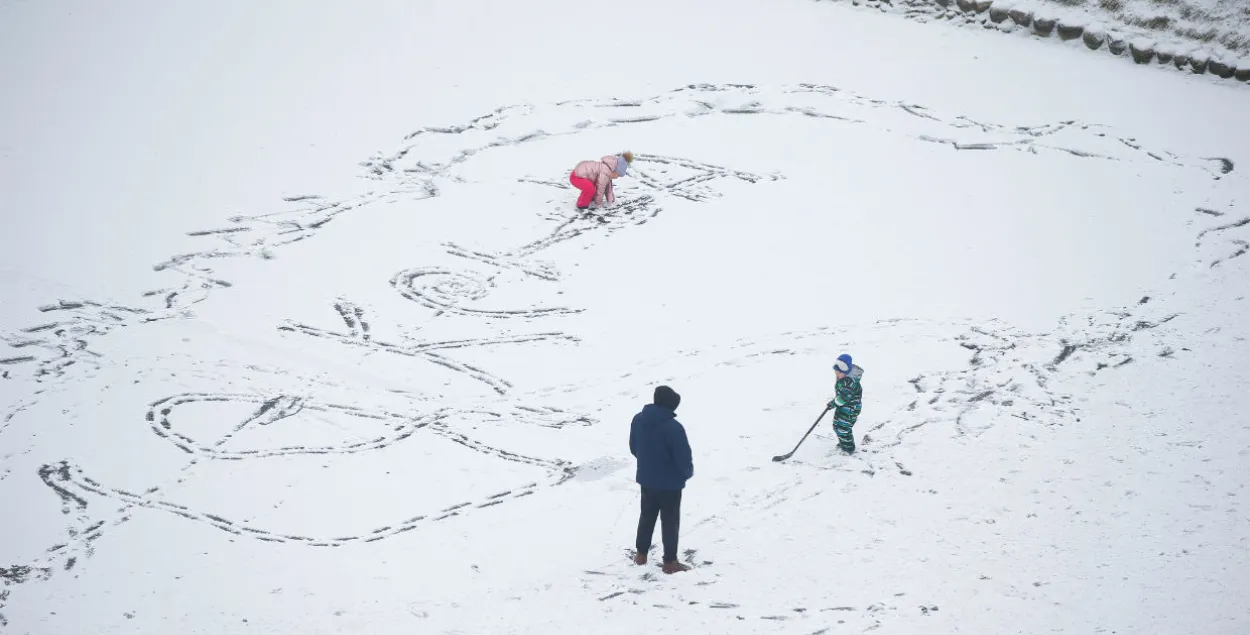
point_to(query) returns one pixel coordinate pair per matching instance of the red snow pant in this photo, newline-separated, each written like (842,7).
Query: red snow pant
(586,186)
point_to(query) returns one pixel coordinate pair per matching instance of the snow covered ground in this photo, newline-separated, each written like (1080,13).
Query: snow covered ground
(304,334)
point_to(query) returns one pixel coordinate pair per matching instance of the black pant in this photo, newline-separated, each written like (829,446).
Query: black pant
(667,505)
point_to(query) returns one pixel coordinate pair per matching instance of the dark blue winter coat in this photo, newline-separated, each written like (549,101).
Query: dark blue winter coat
(659,442)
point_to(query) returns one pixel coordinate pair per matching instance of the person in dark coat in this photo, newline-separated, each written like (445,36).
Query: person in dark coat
(659,443)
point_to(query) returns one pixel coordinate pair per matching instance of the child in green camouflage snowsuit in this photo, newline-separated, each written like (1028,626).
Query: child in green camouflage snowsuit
(846,402)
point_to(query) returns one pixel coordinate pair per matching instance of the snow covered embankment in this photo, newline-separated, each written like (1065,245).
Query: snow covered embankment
(1211,39)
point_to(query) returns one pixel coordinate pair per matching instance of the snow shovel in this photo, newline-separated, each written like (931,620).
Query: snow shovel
(789,454)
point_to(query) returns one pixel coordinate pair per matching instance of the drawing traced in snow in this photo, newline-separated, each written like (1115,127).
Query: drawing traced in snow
(1003,373)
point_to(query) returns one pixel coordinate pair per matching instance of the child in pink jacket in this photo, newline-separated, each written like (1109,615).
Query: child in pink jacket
(594,178)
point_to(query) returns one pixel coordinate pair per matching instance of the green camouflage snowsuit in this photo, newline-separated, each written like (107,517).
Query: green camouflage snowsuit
(846,405)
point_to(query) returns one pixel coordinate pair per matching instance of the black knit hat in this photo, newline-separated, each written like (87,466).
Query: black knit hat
(667,397)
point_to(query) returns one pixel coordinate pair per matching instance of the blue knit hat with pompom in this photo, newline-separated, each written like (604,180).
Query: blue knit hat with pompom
(843,364)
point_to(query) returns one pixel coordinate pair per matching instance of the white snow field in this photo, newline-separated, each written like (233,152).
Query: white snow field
(304,334)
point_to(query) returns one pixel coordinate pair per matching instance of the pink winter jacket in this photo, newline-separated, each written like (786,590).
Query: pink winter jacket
(600,173)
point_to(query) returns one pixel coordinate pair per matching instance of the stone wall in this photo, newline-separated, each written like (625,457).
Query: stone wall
(1007,16)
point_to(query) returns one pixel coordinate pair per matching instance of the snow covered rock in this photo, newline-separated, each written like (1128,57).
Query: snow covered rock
(1023,17)
(1242,71)
(1070,31)
(1143,51)
(1221,69)
(1198,61)
(1094,38)
(1165,52)
(997,14)
(1044,26)
(1116,44)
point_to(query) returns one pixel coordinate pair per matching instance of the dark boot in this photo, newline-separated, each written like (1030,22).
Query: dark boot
(640,558)
(675,567)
